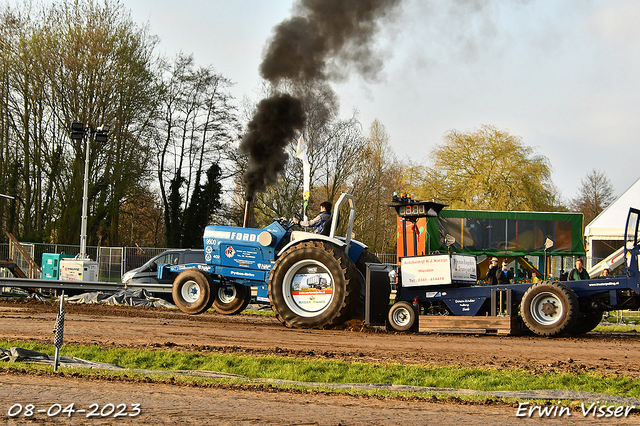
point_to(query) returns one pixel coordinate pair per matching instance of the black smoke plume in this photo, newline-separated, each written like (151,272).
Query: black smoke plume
(322,40)
(273,126)
(324,33)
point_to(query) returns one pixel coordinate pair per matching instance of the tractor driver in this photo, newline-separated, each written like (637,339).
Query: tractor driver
(319,221)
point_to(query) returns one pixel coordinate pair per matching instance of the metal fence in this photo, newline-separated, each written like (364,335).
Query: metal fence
(625,317)
(112,261)
(110,264)
(134,257)
(387,258)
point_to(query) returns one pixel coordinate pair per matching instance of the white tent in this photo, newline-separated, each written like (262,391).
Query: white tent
(605,233)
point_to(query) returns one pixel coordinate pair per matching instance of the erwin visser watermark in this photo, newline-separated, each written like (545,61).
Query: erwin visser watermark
(526,409)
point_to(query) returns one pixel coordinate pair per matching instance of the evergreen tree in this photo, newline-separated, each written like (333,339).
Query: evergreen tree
(204,203)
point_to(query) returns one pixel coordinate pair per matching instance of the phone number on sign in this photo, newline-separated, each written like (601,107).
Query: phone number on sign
(94,410)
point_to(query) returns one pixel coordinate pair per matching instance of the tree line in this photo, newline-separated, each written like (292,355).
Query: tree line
(170,125)
(171,164)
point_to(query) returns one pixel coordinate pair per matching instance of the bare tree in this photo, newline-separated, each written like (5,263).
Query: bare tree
(334,149)
(343,155)
(378,176)
(195,133)
(594,195)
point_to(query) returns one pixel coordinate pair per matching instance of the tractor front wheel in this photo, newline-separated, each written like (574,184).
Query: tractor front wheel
(192,291)
(232,299)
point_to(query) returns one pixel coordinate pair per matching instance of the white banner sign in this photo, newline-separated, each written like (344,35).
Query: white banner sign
(440,269)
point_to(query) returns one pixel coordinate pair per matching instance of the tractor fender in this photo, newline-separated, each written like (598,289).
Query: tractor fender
(355,250)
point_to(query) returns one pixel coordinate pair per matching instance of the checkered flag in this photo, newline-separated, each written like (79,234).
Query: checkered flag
(58,328)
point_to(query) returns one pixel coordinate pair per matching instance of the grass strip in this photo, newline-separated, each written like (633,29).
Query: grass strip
(338,371)
(617,328)
(258,312)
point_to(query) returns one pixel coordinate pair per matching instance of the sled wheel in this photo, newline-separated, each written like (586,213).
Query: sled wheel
(232,299)
(314,284)
(192,291)
(549,308)
(401,316)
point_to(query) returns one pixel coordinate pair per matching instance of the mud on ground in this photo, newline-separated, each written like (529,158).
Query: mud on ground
(121,326)
(117,326)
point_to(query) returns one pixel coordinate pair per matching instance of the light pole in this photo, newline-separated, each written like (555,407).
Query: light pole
(79,132)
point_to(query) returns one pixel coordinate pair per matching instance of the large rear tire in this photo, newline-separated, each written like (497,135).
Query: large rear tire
(549,308)
(586,322)
(233,299)
(192,291)
(366,257)
(314,284)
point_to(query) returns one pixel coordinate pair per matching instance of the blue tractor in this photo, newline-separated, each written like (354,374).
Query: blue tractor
(310,280)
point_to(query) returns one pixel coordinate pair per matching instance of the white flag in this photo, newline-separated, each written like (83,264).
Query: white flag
(301,153)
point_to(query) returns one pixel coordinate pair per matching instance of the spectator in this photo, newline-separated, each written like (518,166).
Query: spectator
(491,277)
(522,275)
(578,273)
(605,272)
(505,275)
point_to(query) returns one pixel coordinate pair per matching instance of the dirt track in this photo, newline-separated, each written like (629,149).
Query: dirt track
(137,327)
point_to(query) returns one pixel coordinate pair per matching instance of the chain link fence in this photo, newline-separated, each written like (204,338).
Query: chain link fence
(113,262)
(387,258)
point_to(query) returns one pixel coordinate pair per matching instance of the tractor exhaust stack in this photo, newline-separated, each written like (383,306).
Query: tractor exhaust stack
(247,213)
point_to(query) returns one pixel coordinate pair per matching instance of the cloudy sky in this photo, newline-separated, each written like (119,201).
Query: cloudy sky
(561,74)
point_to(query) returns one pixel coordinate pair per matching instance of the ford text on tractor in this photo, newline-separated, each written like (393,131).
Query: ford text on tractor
(439,293)
(310,280)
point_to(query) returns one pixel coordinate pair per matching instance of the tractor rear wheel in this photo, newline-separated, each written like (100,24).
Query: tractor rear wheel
(314,284)
(232,299)
(586,322)
(549,308)
(192,291)
(366,257)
